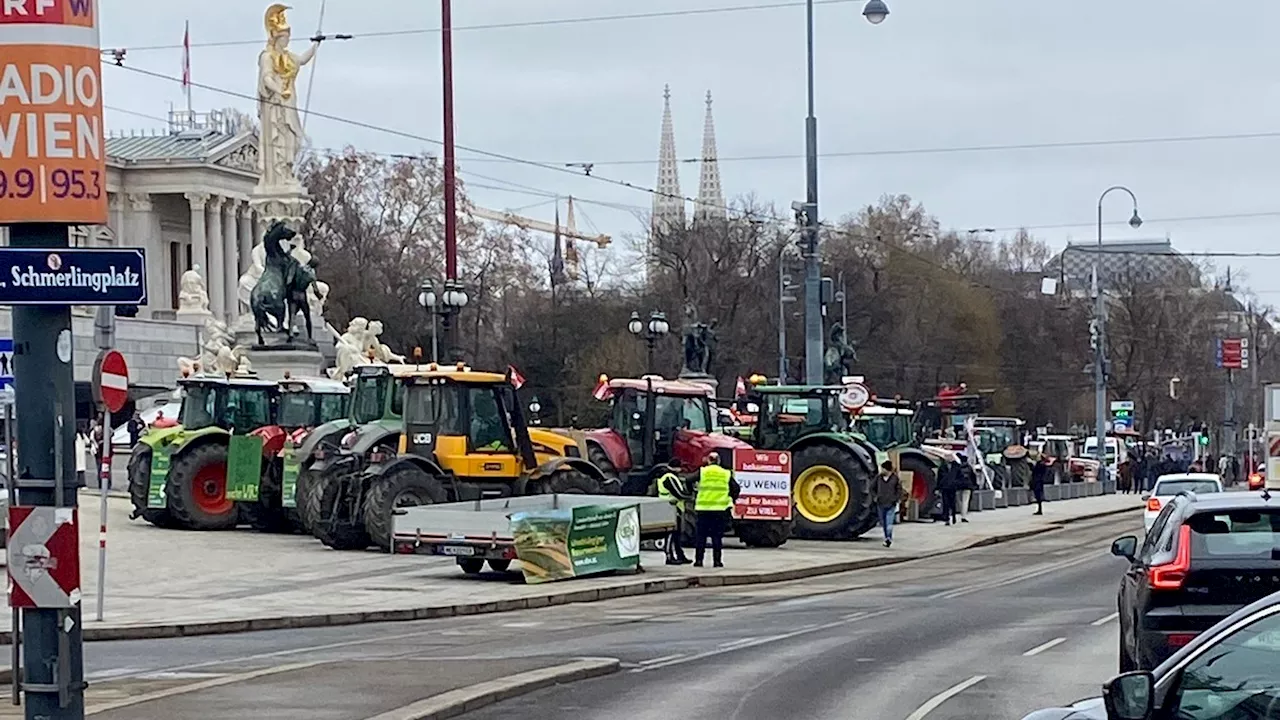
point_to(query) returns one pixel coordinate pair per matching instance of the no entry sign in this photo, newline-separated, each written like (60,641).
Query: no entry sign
(111,380)
(44,557)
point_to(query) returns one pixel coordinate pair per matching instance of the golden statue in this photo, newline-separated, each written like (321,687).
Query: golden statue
(281,126)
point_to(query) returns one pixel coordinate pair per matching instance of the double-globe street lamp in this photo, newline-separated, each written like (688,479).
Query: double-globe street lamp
(1097,331)
(875,11)
(446,304)
(650,332)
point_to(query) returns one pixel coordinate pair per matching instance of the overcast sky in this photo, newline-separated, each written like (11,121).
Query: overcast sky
(936,74)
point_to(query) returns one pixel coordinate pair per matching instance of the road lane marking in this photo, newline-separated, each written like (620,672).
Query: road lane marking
(664,658)
(936,701)
(1041,648)
(969,589)
(1103,621)
(205,685)
(754,642)
(740,642)
(533,624)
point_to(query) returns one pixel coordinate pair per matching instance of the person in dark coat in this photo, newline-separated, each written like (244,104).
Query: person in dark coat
(949,482)
(968,483)
(1039,477)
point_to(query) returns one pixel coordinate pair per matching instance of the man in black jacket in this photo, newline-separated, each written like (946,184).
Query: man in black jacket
(949,480)
(1040,476)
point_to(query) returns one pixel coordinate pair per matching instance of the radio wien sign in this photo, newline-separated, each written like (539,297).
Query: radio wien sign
(52,159)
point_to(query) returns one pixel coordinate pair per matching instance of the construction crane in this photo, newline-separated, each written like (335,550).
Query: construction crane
(568,231)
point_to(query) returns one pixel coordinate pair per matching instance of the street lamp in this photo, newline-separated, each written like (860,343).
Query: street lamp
(535,407)
(875,11)
(1097,329)
(656,328)
(446,303)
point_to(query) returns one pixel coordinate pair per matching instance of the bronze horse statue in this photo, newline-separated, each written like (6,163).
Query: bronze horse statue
(282,290)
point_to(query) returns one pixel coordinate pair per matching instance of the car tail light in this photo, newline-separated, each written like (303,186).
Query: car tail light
(1180,639)
(1172,575)
(1153,504)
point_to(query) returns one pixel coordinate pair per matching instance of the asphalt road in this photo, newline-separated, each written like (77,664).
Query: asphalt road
(987,633)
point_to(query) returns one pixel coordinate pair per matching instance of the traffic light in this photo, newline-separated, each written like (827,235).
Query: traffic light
(1204,440)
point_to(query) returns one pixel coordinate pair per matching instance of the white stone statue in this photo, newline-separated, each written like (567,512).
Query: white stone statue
(218,352)
(281,126)
(317,296)
(381,353)
(351,348)
(192,296)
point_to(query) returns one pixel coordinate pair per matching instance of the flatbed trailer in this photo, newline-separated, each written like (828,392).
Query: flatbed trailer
(476,531)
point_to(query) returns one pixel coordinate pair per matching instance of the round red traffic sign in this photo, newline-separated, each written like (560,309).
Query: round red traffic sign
(111,380)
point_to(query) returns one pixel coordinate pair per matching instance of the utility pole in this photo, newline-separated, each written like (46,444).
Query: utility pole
(875,12)
(1098,333)
(450,180)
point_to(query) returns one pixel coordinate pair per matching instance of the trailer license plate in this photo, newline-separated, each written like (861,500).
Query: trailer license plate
(457,550)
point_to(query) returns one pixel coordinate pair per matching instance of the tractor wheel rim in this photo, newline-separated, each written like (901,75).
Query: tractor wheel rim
(209,490)
(408,498)
(821,494)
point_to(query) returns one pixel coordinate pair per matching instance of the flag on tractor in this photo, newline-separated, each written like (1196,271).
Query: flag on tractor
(602,391)
(740,388)
(516,378)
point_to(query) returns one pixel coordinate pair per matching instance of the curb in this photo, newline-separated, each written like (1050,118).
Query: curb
(465,700)
(640,587)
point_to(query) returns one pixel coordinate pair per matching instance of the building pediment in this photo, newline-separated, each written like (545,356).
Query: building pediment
(241,153)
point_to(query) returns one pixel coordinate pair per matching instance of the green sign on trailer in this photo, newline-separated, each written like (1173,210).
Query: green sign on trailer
(244,468)
(563,544)
(291,465)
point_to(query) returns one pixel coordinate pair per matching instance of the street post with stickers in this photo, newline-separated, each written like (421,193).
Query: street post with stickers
(53,176)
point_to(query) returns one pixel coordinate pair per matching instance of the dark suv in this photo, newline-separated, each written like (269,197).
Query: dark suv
(1204,558)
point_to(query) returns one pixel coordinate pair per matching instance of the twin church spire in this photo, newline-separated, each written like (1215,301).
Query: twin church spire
(668,201)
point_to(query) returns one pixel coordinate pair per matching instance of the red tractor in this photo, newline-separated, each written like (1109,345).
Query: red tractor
(653,420)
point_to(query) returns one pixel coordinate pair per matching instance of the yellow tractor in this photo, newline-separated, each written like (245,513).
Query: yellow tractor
(464,437)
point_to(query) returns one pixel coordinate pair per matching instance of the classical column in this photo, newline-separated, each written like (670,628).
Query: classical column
(115,221)
(246,237)
(199,236)
(230,257)
(216,279)
(138,228)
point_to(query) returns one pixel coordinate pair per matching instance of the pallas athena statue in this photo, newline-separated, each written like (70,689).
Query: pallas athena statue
(278,70)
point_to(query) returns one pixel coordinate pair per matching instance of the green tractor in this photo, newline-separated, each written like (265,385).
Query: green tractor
(373,412)
(889,425)
(204,472)
(833,470)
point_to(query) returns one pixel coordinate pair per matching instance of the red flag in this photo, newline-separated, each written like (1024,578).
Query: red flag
(602,391)
(516,378)
(741,388)
(186,57)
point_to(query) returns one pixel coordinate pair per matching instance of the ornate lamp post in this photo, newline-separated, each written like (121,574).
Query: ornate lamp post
(656,328)
(446,303)
(535,408)
(1097,333)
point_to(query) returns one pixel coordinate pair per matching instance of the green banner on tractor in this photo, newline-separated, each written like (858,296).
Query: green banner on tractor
(563,544)
(289,474)
(244,468)
(160,461)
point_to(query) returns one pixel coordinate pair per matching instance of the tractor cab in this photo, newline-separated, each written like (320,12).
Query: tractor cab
(651,421)
(310,402)
(790,413)
(238,404)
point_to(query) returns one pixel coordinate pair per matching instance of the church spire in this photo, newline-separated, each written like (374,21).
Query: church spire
(710,195)
(668,203)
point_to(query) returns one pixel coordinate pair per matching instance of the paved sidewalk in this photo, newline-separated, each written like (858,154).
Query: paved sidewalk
(166,582)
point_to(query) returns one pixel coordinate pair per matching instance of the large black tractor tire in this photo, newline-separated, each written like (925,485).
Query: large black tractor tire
(406,486)
(196,491)
(858,513)
(269,514)
(140,484)
(569,482)
(924,472)
(322,499)
(597,456)
(763,533)
(297,514)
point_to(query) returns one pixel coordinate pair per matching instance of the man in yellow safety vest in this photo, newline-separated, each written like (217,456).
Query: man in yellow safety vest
(716,492)
(673,488)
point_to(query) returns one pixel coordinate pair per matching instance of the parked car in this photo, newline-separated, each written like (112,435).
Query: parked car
(1169,485)
(1230,671)
(1205,557)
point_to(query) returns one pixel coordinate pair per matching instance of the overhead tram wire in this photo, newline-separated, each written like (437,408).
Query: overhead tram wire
(549,22)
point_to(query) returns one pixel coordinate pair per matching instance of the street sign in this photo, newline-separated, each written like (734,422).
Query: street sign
(854,397)
(53,167)
(765,479)
(73,276)
(44,557)
(111,380)
(1122,415)
(6,363)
